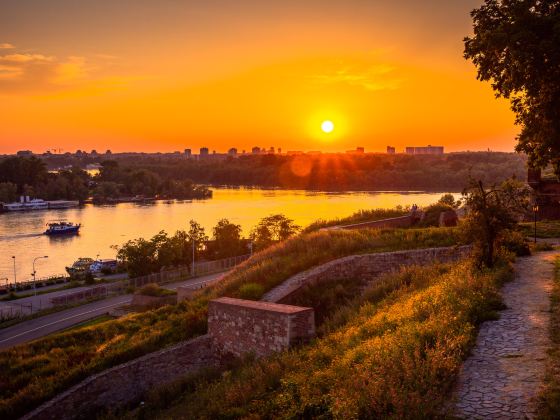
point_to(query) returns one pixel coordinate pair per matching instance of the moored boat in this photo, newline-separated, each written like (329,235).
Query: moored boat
(80,267)
(62,228)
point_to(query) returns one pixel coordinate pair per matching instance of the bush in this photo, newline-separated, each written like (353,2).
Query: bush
(514,242)
(251,291)
(152,289)
(432,212)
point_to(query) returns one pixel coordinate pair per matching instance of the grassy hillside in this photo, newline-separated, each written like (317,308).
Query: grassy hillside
(393,353)
(35,372)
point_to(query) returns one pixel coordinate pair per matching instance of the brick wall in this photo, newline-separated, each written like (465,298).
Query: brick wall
(128,382)
(240,326)
(366,267)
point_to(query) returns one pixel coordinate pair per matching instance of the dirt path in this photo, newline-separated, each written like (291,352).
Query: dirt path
(503,375)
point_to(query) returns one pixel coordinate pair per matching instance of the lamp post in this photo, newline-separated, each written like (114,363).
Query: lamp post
(34,273)
(192,267)
(15,278)
(535,211)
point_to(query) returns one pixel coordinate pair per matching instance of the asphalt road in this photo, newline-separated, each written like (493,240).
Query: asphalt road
(39,327)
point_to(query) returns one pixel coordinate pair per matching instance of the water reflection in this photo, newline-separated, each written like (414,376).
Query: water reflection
(21,234)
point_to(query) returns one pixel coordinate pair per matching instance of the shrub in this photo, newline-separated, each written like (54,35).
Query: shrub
(251,291)
(153,289)
(432,212)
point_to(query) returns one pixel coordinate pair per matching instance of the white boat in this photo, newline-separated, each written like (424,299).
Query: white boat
(36,204)
(13,207)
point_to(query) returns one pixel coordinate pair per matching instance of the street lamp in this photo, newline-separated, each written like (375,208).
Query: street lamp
(15,278)
(34,273)
(535,211)
(192,268)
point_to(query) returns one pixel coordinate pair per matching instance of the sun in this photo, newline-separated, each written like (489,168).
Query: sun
(327,126)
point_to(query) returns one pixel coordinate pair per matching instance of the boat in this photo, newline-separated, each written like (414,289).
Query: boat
(25,204)
(105,266)
(13,207)
(62,228)
(36,204)
(80,267)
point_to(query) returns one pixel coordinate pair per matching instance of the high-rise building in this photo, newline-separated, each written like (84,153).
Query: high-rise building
(391,150)
(203,151)
(188,153)
(426,150)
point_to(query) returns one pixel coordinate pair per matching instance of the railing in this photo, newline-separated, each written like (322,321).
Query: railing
(15,310)
(28,284)
(168,276)
(89,294)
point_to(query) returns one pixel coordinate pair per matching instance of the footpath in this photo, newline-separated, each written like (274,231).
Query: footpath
(505,372)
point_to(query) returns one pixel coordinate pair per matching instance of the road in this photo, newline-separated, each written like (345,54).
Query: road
(32,304)
(48,324)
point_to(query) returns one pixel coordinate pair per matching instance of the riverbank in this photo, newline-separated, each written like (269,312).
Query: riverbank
(104,226)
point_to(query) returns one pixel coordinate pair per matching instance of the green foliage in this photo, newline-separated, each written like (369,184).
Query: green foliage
(153,289)
(358,217)
(449,200)
(492,213)
(251,291)
(396,354)
(516,46)
(549,396)
(273,229)
(545,229)
(8,192)
(115,179)
(432,213)
(515,242)
(227,241)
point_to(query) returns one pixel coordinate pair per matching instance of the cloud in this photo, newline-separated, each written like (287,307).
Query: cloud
(31,72)
(24,58)
(372,78)
(6,46)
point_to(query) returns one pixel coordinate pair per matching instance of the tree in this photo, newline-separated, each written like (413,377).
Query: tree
(8,192)
(449,200)
(197,234)
(227,240)
(273,229)
(491,213)
(516,46)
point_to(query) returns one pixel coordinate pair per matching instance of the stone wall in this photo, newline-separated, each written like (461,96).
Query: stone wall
(395,222)
(366,267)
(240,326)
(128,382)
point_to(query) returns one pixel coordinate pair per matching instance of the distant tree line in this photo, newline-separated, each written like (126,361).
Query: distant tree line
(145,256)
(338,172)
(29,176)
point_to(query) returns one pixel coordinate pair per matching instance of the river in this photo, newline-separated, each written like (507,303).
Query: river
(104,226)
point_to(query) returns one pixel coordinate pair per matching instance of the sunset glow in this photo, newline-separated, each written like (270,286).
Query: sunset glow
(145,76)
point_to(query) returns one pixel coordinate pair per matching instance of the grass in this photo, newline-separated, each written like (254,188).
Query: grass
(549,398)
(358,217)
(95,321)
(34,372)
(393,353)
(545,229)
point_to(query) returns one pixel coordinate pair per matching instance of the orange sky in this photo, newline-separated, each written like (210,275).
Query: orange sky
(166,75)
